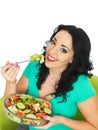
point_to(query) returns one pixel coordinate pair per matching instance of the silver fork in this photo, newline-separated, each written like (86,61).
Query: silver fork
(18,62)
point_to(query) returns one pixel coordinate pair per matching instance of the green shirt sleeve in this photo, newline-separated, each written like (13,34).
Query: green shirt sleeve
(83,89)
(30,69)
(31,73)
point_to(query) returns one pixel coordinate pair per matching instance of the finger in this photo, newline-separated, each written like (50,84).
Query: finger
(7,63)
(12,73)
(44,127)
(49,118)
(6,67)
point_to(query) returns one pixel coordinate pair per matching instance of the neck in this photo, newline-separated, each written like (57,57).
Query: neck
(55,74)
(55,71)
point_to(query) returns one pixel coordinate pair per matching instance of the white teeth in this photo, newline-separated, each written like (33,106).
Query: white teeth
(51,58)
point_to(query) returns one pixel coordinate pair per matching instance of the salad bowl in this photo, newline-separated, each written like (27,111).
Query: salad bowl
(25,109)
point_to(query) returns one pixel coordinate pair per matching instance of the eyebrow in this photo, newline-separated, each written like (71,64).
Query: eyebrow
(61,44)
(55,39)
(64,46)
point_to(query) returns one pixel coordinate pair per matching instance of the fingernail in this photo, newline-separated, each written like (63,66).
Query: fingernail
(44,116)
(11,63)
(18,66)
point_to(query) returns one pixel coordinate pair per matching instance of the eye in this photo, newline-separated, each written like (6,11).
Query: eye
(63,50)
(52,42)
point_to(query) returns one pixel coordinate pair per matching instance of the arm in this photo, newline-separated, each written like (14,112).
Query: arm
(88,108)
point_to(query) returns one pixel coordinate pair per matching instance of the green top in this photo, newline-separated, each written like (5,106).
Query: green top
(82,91)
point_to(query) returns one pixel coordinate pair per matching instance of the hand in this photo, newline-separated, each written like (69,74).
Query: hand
(52,121)
(10,72)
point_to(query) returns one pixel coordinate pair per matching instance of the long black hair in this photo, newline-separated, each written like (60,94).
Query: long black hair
(81,63)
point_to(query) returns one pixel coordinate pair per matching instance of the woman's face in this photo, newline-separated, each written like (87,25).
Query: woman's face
(59,52)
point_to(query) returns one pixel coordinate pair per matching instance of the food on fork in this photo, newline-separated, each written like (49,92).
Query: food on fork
(35,57)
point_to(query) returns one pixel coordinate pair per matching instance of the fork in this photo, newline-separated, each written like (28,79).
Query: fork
(18,62)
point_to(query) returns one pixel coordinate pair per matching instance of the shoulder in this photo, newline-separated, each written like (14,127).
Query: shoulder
(82,81)
(32,67)
(83,89)
(82,78)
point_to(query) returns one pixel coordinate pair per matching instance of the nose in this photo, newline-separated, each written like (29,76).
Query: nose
(53,50)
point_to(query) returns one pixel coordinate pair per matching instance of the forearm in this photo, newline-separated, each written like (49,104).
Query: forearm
(76,124)
(10,88)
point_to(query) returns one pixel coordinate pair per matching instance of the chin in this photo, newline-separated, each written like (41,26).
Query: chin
(49,65)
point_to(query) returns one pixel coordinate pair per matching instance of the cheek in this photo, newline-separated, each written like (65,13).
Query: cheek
(62,57)
(65,59)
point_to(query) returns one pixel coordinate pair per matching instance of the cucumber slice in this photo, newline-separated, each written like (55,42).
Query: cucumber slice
(26,111)
(20,106)
(31,116)
(47,110)
(23,96)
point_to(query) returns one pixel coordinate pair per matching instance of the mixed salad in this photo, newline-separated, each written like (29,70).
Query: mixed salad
(27,109)
(35,57)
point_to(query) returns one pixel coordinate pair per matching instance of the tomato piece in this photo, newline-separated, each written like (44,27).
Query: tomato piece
(15,98)
(40,115)
(47,104)
(20,113)
(8,103)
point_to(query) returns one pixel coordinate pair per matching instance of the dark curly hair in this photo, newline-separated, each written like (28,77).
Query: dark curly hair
(81,63)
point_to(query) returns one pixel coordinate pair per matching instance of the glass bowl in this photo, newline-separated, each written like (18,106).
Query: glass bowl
(25,109)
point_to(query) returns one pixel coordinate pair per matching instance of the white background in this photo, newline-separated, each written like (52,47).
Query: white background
(25,25)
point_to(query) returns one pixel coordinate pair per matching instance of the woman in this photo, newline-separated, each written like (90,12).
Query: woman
(62,79)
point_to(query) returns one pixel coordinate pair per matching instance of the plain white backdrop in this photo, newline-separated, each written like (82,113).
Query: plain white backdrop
(25,25)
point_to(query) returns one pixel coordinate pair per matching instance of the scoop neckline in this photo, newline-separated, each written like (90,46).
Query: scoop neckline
(44,99)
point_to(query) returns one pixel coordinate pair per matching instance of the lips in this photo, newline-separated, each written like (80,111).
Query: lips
(51,59)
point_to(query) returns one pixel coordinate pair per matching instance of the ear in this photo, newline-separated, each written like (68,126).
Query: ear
(70,62)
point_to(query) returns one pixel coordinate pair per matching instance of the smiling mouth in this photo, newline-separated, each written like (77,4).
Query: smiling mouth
(51,59)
